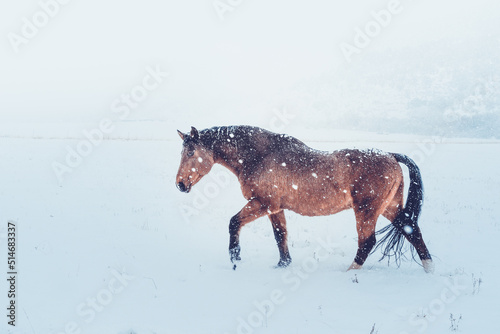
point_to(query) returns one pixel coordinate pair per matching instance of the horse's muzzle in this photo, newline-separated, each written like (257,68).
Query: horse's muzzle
(182,187)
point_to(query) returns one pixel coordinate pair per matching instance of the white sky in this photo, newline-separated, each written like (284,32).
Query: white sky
(92,51)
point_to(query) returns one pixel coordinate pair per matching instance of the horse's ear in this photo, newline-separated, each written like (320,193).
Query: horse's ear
(194,133)
(181,134)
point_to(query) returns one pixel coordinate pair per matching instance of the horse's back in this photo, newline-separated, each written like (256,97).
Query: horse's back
(316,183)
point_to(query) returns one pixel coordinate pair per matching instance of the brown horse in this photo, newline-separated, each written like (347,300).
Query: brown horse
(279,172)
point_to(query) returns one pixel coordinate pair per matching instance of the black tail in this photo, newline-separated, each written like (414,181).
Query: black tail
(405,225)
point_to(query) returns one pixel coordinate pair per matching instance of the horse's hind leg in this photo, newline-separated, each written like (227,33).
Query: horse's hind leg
(365,225)
(411,231)
(279,227)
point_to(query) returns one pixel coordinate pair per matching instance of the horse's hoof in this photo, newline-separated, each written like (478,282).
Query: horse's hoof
(284,263)
(354,266)
(235,258)
(428,266)
(234,254)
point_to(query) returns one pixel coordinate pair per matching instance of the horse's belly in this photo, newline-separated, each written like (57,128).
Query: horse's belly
(314,206)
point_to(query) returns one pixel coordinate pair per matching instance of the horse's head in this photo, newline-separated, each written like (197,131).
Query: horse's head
(196,161)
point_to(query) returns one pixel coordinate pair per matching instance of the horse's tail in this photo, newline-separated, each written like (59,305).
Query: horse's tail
(416,189)
(406,223)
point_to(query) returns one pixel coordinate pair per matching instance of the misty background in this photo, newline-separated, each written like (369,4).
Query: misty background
(433,69)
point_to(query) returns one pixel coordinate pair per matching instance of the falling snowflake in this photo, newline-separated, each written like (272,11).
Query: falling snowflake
(408,229)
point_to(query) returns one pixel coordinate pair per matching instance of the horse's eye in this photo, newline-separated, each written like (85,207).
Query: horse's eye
(190,153)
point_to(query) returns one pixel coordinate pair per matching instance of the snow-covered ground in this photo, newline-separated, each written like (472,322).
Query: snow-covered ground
(114,247)
(91,95)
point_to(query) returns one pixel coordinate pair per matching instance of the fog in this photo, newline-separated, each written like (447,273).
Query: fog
(240,61)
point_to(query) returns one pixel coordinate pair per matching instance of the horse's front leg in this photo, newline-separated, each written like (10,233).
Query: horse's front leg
(251,211)
(279,227)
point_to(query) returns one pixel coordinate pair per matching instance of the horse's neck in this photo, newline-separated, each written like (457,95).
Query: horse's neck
(231,166)
(228,157)
(225,153)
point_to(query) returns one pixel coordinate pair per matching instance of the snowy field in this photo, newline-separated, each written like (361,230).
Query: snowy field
(114,247)
(91,96)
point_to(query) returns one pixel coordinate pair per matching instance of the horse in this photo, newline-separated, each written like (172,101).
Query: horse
(278,172)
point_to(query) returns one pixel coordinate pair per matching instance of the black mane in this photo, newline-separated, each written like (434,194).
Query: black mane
(249,138)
